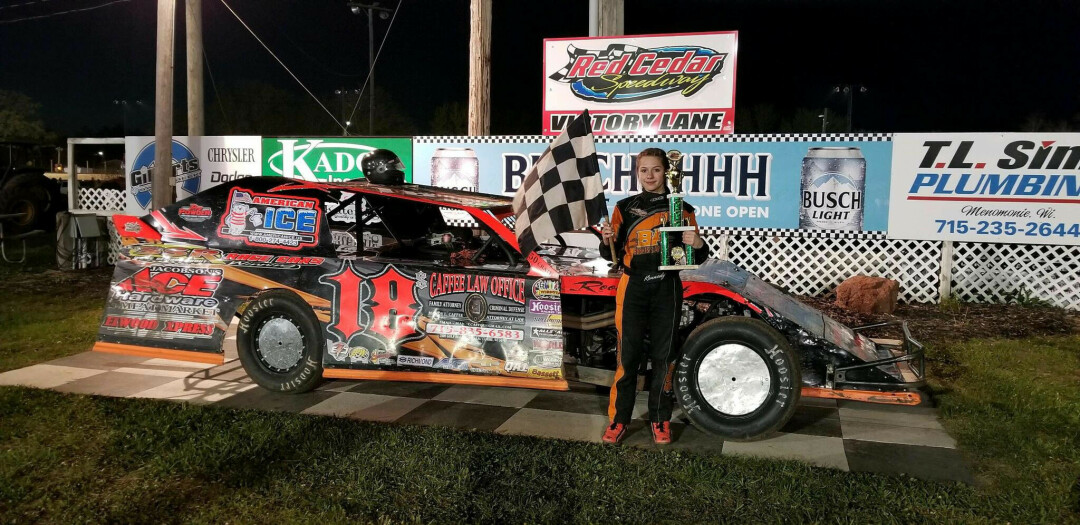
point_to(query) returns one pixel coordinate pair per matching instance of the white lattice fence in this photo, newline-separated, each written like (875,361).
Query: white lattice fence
(986,272)
(103,199)
(811,263)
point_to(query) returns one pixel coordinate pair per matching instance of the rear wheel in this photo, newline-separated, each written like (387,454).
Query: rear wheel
(737,378)
(279,343)
(35,199)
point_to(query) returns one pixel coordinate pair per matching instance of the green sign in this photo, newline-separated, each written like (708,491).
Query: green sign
(332,159)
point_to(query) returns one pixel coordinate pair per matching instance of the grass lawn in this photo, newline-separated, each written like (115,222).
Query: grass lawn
(1012,404)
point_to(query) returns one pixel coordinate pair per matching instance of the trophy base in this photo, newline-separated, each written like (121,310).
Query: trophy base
(680,267)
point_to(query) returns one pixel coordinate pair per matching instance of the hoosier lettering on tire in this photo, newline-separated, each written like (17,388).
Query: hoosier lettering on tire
(738,378)
(279,344)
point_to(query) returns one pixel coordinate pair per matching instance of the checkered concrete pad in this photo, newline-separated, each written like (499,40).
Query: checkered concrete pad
(844,435)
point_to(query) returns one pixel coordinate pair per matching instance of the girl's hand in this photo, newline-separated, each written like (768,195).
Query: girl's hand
(691,238)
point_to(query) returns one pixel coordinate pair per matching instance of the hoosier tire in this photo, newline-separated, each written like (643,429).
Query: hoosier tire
(737,378)
(280,344)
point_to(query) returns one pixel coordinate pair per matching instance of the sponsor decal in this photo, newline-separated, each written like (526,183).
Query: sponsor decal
(172,280)
(328,159)
(132,227)
(383,357)
(185,168)
(138,326)
(412,360)
(380,308)
(547,344)
(547,360)
(546,289)
(194,213)
(476,308)
(271,221)
(545,307)
(593,286)
(475,331)
(337,349)
(626,73)
(545,373)
(450,363)
(546,333)
(516,366)
(511,288)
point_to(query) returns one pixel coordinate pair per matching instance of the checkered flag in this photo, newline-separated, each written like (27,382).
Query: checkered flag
(563,191)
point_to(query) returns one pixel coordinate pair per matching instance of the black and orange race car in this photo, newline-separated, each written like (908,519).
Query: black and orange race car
(365,281)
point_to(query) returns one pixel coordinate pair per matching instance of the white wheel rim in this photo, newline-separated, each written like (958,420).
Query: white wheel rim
(280,343)
(734,379)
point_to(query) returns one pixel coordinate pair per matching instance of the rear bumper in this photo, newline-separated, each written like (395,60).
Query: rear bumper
(905,361)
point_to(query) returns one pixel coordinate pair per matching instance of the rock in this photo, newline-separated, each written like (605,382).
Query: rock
(868,295)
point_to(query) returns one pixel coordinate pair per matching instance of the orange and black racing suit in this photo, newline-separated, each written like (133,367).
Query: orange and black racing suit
(647,299)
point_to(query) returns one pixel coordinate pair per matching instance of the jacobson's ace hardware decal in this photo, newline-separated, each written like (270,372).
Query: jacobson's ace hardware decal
(271,221)
(428,319)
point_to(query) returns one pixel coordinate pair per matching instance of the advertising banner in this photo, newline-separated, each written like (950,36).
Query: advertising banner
(809,185)
(198,163)
(330,159)
(642,85)
(986,187)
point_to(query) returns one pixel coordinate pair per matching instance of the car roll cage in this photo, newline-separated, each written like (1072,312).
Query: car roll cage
(910,351)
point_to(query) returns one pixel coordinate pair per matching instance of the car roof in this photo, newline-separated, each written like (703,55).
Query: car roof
(441,196)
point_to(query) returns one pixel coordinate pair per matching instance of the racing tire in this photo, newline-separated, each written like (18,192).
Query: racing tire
(737,378)
(34,196)
(279,342)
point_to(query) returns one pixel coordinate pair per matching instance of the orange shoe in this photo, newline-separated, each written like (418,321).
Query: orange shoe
(661,432)
(614,433)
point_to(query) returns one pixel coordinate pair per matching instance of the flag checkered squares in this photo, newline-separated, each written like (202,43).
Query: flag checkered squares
(563,190)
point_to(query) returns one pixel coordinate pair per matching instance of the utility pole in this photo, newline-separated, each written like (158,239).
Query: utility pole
(193,26)
(371,69)
(480,67)
(611,17)
(162,180)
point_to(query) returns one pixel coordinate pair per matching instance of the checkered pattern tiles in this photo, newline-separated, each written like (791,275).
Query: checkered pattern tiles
(842,435)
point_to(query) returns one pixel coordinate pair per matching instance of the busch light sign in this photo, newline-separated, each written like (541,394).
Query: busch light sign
(336,159)
(198,163)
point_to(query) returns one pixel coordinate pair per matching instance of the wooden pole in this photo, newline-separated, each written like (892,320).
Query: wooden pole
(480,68)
(162,179)
(195,108)
(611,18)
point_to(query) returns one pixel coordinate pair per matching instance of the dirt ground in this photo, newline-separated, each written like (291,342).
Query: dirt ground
(931,323)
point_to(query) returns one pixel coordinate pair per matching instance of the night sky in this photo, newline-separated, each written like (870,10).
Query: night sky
(969,66)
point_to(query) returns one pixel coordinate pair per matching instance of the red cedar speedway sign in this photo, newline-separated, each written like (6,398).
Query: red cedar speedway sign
(676,84)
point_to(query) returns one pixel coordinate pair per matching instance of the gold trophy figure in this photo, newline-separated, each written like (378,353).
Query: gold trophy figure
(674,255)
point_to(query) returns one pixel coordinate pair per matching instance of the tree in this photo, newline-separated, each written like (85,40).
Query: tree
(451,118)
(19,120)
(1040,122)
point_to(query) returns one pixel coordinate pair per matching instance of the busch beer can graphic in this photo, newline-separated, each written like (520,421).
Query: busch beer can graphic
(455,168)
(833,180)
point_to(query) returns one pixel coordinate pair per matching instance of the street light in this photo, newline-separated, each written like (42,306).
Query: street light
(384,13)
(849,90)
(341,94)
(102,155)
(123,110)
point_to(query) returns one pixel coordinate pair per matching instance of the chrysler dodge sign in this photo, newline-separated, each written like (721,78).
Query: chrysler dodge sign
(642,85)
(986,187)
(198,163)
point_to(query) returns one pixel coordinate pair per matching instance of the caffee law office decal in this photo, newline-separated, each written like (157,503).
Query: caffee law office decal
(198,163)
(642,85)
(331,159)
(986,187)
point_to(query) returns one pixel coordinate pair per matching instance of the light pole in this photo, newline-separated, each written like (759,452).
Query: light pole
(824,116)
(123,110)
(384,13)
(102,155)
(341,94)
(849,90)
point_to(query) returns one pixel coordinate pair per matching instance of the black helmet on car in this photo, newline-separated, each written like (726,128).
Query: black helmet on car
(383,166)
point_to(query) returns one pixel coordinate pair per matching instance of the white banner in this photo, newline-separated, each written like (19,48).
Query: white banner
(198,163)
(986,187)
(642,85)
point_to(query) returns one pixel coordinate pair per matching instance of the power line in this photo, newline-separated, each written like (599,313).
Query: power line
(24,4)
(287,70)
(58,13)
(217,94)
(376,61)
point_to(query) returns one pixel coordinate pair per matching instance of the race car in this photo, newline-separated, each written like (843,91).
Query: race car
(403,282)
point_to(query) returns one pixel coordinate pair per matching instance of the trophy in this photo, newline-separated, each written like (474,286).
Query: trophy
(674,255)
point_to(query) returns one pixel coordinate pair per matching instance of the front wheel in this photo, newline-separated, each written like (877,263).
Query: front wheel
(737,378)
(279,343)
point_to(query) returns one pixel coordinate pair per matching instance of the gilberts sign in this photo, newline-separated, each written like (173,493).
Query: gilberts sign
(198,163)
(986,187)
(646,85)
(335,159)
